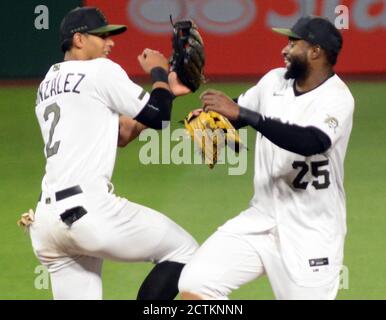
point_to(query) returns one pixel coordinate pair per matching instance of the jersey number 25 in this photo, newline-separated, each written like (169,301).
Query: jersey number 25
(316,172)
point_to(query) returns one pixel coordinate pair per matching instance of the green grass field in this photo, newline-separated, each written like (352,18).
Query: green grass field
(197,198)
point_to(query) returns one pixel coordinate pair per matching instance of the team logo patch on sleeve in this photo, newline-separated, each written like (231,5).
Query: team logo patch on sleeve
(332,122)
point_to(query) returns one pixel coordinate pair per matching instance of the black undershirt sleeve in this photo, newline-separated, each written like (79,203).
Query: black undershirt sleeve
(157,109)
(306,141)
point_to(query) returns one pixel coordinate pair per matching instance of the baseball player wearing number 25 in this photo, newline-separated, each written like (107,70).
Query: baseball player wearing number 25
(86,106)
(295,226)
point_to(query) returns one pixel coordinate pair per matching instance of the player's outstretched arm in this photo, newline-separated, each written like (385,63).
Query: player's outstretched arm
(306,141)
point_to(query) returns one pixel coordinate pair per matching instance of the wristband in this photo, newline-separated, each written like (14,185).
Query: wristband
(159,74)
(249,117)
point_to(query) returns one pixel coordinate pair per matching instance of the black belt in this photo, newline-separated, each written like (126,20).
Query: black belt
(70,215)
(65,193)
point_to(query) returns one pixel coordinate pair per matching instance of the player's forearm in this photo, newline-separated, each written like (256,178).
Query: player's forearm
(129,129)
(306,141)
(158,110)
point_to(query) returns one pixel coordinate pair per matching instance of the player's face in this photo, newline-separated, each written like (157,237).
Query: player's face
(97,46)
(296,59)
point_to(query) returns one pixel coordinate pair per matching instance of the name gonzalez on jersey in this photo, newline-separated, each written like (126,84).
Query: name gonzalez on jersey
(61,83)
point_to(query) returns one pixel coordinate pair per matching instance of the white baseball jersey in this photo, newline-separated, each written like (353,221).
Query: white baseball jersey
(303,196)
(78,107)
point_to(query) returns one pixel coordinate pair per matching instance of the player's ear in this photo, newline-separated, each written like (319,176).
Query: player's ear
(316,52)
(77,40)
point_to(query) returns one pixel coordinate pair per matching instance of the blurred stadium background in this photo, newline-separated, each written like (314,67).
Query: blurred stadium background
(240,48)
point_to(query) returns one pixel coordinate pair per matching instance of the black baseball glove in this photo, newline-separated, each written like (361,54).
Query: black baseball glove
(188,57)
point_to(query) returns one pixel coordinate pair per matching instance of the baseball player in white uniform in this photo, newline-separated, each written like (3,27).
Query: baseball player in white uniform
(294,228)
(85,106)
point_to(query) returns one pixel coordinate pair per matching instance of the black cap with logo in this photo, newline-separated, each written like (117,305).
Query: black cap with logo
(87,20)
(317,31)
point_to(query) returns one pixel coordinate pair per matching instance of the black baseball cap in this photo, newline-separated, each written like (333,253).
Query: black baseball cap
(87,20)
(315,30)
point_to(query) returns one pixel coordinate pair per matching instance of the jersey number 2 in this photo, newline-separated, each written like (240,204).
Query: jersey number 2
(316,172)
(52,108)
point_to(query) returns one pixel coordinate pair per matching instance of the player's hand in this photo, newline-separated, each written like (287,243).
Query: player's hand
(214,100)
(176,86)
(26,219)
(150,59)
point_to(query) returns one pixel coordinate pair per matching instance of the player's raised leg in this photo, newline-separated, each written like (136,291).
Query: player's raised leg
(137,234)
